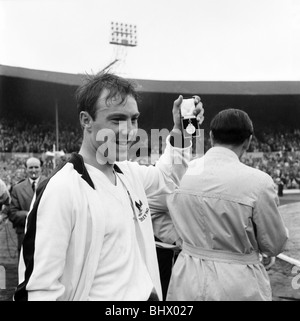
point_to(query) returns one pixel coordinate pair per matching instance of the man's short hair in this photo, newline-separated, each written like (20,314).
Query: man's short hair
(231,126)
(88,93)
(39,159)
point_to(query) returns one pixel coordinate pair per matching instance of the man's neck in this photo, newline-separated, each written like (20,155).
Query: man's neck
(238,150)
(90,159)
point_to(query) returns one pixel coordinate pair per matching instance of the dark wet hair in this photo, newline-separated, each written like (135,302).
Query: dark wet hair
(88,93)
(231,126)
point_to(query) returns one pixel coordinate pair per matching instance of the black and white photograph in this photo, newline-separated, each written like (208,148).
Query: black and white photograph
(149,151)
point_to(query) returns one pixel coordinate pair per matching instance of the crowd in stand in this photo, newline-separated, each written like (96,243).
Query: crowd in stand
(19,136)
(281,156)
(280,149)
(284,167)
(276,140)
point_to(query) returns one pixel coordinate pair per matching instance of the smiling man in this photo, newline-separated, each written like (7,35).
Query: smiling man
(89,234)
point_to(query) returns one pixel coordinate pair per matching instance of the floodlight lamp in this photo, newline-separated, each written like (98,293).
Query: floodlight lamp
(123,34)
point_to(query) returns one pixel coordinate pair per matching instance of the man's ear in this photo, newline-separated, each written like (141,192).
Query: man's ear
(85,120)
(247,143)
(211,136)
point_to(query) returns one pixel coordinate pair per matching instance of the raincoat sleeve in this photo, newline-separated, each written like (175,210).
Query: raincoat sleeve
(271,232)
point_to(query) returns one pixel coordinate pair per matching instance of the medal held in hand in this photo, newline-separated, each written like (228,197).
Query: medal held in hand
(190,125)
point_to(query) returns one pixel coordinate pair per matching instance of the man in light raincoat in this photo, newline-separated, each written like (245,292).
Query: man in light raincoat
(226,215)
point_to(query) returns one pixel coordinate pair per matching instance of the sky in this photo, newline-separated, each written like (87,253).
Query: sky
(205,40)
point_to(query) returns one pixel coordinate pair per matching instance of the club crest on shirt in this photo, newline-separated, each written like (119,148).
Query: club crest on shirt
(142,212)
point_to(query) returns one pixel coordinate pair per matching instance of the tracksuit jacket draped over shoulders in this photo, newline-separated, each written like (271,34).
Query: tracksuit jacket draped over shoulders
(62,244)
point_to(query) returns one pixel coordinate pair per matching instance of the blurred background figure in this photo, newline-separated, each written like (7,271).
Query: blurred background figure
(22,194)
(4,194)
(4,198)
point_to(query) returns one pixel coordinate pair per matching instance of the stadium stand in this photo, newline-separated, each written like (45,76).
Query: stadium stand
(277,153)
(27,127)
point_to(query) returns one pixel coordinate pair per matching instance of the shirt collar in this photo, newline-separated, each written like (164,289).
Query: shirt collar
(222,152)
(34,180)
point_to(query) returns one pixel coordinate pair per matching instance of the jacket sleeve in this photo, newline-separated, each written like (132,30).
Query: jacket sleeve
(45,245)
(272,234)
(166,175)
(161,180)
(162,223)
(16,215)
(164,229)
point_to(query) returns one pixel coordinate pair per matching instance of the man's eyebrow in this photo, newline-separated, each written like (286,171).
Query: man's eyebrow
(136,114)
(121,115)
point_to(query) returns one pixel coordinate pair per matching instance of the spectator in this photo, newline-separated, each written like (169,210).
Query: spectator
(22,195)
(4,194)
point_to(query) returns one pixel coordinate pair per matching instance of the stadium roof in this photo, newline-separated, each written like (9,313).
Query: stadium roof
(159,86)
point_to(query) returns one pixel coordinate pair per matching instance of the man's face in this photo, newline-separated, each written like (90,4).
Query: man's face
(114,128)
(33,168)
